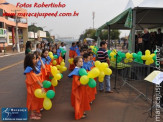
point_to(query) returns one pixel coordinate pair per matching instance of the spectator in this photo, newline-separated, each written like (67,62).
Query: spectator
(38,48)
(153,40)
(159,38)
(28,49)
(140,42)
(42,45)
(102,56)
(146,40)
(64,48)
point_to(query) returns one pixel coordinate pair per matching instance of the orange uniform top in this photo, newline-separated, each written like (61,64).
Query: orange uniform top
(79,98)
(33,103)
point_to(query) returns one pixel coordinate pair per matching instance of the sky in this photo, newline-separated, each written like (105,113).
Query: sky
(104,10)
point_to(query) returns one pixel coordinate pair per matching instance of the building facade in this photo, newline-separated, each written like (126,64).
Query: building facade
(8,14)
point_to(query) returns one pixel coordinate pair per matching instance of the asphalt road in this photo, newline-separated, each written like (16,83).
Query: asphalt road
(116,107)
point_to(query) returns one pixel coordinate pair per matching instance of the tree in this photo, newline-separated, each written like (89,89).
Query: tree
(90,33)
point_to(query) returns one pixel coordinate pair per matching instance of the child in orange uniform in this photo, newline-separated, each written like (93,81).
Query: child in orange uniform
(79,97)
(72,54)
(87,65)
(46,73)
(32,82)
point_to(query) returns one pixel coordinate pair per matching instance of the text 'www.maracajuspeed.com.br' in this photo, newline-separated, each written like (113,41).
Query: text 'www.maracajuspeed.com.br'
(38,14)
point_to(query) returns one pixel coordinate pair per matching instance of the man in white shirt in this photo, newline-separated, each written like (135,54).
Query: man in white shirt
(64,48)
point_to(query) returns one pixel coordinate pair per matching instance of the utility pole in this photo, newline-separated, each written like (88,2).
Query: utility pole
(34,35)
(93,14)
(17,35)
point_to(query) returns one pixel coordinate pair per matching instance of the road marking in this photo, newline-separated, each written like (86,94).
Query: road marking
(7,67)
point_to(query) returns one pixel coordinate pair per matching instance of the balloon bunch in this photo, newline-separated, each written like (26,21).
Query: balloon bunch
(103,70)
(129,58)
(120,56)
(56,75)
(109,51)
(71,61)
(50,94)
(94,49)
(137,57)
(63,52)
(51,55)
(113,55)
(62,68)
(148,57)
(86,79)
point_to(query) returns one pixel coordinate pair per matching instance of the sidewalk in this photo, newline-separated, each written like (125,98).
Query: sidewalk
(9,53)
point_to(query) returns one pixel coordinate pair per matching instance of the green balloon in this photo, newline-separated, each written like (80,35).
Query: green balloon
(46,84)
(92,83)
(50,77)
(134,55)
(50,94)
(154,58)
(82,72)
(55,56)
(61,75)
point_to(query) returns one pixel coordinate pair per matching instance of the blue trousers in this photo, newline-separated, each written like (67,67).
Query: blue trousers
(107,84)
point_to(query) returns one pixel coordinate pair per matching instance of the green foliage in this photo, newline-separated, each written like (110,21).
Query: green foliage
(34,28)
(90,33)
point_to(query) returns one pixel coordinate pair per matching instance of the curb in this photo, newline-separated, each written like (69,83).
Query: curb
(11,54)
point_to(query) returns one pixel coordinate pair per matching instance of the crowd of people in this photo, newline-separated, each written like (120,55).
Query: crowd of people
(148,41)
(37,69)
(82,96)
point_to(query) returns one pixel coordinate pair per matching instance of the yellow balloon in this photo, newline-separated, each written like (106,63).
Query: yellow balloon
(54,62)
(57,76)
(47,104)
(100,79)
(63,68)
(112,54)
(84,80)
(95,72)
(127,55)
(50,53)
(97,63)
(69,60)
(51,56)
(63,64)
(152,55)
(104,65)
(107,71)
(144,57)
(54,82)
(113,59)
(147,52)
(53,70)
(147,62)
(58,66)
(126,61)
(130,60)
(102,74)
(39,94)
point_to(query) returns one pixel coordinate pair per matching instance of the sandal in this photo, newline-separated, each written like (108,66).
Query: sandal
(34,117)
(38,114)
(83,117)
